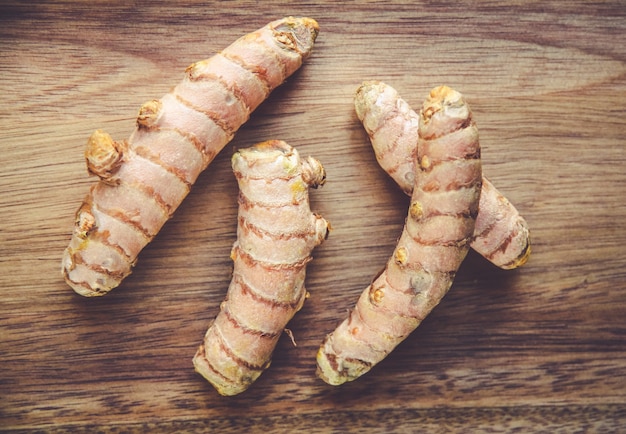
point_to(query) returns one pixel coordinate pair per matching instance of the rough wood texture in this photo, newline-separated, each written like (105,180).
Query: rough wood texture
(540,349)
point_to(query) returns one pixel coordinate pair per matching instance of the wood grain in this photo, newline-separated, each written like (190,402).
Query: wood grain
(539,349)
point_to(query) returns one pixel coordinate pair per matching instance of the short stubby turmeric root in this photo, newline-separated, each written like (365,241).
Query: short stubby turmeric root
(276,234)
(144,179)
(501,233)
(434,242)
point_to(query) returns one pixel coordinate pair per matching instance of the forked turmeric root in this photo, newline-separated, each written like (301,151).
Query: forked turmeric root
(276,234)
(501,234)
(143,180)
(435,240)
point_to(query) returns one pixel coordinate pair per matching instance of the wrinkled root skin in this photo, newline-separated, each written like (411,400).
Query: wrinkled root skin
(276,235)
(435,240)
(144,179)
(501,234)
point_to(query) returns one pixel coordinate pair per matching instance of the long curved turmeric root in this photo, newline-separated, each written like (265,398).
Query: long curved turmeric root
(434,242)
(143,180)
(276,234)
(501,234)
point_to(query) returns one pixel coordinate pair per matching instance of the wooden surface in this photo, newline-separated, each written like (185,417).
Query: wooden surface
(539,349)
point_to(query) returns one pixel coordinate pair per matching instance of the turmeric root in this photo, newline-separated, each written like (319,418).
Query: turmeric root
(434,242)
(144,179)
(501,233)
(276,233)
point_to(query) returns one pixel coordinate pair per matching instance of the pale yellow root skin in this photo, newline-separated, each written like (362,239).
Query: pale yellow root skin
(276,234)
(434,242)
(501,233)
(144,179)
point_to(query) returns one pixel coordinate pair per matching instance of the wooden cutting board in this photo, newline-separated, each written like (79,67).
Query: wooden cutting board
(539,348)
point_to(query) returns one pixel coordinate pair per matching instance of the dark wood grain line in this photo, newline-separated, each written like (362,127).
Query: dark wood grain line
(608,418)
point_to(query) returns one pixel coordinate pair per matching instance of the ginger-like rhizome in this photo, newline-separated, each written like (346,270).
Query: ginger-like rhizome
(435,240)
(501,234)
(276,234)
(144,179)
(434,156)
